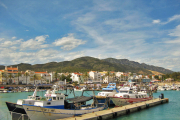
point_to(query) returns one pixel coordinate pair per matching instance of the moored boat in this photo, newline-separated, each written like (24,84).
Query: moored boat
(110,90)
(72,107)
(127,96)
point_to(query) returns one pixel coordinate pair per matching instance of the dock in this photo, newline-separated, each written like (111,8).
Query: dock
(119,111)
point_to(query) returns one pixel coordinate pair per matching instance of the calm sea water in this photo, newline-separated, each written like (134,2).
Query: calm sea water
(167,111)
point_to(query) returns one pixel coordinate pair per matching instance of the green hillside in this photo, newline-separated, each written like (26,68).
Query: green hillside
(85,64)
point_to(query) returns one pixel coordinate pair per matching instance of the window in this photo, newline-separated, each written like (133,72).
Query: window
(54,98)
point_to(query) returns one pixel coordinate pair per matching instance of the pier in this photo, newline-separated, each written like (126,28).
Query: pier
(119,111)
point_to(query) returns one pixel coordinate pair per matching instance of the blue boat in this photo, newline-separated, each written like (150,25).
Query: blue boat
(109,91)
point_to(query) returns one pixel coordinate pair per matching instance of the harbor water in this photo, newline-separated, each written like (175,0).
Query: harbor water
(168,111)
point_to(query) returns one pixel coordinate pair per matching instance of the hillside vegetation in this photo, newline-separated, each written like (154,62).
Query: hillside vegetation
(85,64)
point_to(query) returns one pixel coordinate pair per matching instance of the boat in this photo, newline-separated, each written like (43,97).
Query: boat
(76,89)
(50,100)
(110,90)
(127,96)
(26,89)
(69,107)
(18,108)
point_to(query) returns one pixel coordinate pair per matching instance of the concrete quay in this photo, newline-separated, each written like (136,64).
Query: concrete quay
(119,111)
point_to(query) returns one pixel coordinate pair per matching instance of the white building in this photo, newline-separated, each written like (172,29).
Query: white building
(95,76)
(119,74)
(76,77)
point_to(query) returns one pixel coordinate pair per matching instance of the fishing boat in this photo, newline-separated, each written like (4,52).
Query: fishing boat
(18,108)
(127,96)
(110,90)
(69,107)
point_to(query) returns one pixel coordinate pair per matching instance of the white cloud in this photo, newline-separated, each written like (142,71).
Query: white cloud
(1,39)
(34,44)
(176,31)
(86,19)
(7,43)
(14,37)
(173,18)
(73,55)
(4,5)
(156,21)
(69,42)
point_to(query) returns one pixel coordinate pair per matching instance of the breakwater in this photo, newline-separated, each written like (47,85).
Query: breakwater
(119,111)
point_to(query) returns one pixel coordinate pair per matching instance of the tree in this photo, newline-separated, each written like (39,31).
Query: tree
(113,76)
(108,74)
(68,78)
(34,76)
(26,74)
(19,74)
(75,83)
(6,76)
(10,80)
(156,77)
(86,76)
(56,75)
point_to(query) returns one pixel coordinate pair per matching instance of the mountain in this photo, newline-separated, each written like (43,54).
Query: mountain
(85,64)
(138,65)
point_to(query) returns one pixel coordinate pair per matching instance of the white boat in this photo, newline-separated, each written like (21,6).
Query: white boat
(70,107)
(26,89)
(17,107)
(84,88)
(127,96)
(110,90)
(38,113)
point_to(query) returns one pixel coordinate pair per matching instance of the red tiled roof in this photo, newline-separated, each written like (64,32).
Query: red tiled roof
(40,72)
(12,68)
(13,72)
(77,73)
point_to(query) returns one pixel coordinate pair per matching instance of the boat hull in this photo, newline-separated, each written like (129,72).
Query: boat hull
(13,107)
(39,113)
(119,101)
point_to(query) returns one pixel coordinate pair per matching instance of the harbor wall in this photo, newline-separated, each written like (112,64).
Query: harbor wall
(119,111)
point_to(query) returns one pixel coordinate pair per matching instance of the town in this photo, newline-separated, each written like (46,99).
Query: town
(12,76)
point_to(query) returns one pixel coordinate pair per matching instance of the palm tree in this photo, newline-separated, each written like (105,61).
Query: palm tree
(10,76)
(108,74)
(2,74)
(19,74)
(86,75)
(34,76)
(56,75)
(5,75)
(113,76)
(26,74)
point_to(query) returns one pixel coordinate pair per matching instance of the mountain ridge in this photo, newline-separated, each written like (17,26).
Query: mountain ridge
(86,63)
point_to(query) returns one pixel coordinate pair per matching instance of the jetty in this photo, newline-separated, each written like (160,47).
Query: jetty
(119,111)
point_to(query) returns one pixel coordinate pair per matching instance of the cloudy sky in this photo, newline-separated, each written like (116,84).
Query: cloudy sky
(41,31)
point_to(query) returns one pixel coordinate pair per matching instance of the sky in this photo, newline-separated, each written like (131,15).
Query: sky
(42,31)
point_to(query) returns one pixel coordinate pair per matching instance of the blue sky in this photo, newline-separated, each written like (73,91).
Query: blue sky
(41,31)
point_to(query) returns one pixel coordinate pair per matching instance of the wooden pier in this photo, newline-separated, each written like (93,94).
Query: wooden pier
(119,111)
